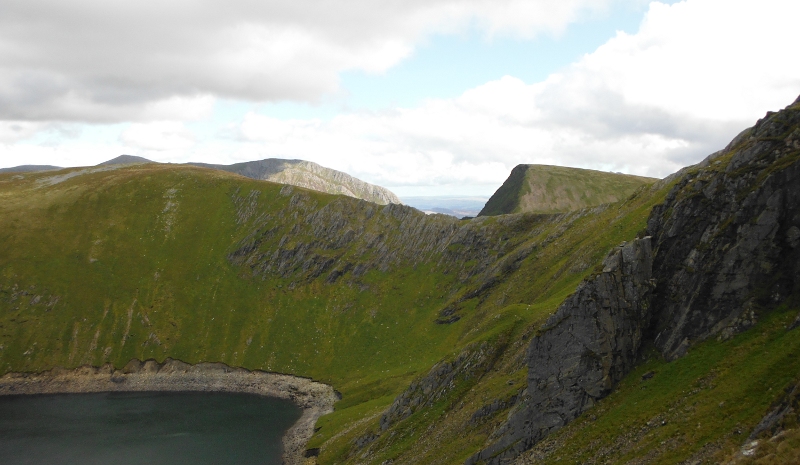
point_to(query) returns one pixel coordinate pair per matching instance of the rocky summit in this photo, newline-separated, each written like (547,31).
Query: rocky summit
(660,327)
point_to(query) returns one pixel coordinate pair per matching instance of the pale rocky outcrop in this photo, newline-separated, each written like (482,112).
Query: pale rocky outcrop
(309,175)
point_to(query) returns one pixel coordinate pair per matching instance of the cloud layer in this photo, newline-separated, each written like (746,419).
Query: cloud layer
(105,61)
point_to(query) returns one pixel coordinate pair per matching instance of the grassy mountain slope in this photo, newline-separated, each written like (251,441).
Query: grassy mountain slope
(154,261)
(422,322)
(553,189)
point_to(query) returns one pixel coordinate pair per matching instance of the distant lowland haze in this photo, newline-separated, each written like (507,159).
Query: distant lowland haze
(438,98)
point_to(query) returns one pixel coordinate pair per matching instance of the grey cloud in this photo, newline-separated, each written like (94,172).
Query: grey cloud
(97,60)
(607,115)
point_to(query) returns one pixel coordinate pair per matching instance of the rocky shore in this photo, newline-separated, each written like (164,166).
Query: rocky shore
(316,399)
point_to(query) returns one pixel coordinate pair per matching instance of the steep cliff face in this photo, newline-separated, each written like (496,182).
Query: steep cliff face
(724,250)
(582,351)
(727,237)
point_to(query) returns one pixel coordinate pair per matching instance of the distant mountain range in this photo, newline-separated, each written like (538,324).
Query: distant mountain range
(29,168)
(556,189)
(299,173)
(529,188)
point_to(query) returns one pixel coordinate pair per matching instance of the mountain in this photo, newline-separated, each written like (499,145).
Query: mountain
(310,176)
(125,160)
(661,328)
(29,168)
(120,160)
(556,189)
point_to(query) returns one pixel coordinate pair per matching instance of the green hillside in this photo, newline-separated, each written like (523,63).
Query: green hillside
(156,261)
(422,322)
(555,189)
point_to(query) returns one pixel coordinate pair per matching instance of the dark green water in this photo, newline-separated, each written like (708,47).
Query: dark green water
(143,428)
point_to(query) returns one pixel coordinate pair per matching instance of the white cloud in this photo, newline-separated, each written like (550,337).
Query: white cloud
(101,61)
(158,136)
(13,131)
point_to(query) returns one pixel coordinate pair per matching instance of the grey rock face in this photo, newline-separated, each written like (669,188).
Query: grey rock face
(787,410)
(309,175)
(727,239)
(582,351)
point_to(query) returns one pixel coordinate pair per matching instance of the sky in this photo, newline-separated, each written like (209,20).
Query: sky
(433,97)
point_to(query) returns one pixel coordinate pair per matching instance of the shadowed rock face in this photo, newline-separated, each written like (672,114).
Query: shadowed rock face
(310,176)
(723,248)
(728,239)
(582,351)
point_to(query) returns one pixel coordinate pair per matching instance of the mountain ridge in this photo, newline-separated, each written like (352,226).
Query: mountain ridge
(298,173)
(556,189)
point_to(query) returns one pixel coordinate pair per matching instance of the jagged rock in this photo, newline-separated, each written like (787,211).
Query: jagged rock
(365,440)
(786,410)
(490,409)
(582,351)
(726,240)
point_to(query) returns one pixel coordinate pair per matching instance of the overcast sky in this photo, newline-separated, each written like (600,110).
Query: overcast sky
(426,97)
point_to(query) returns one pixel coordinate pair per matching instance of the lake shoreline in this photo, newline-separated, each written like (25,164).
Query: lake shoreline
(314,398)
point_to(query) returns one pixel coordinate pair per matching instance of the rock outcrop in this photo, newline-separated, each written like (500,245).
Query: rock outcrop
(582,351)
(727,237)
